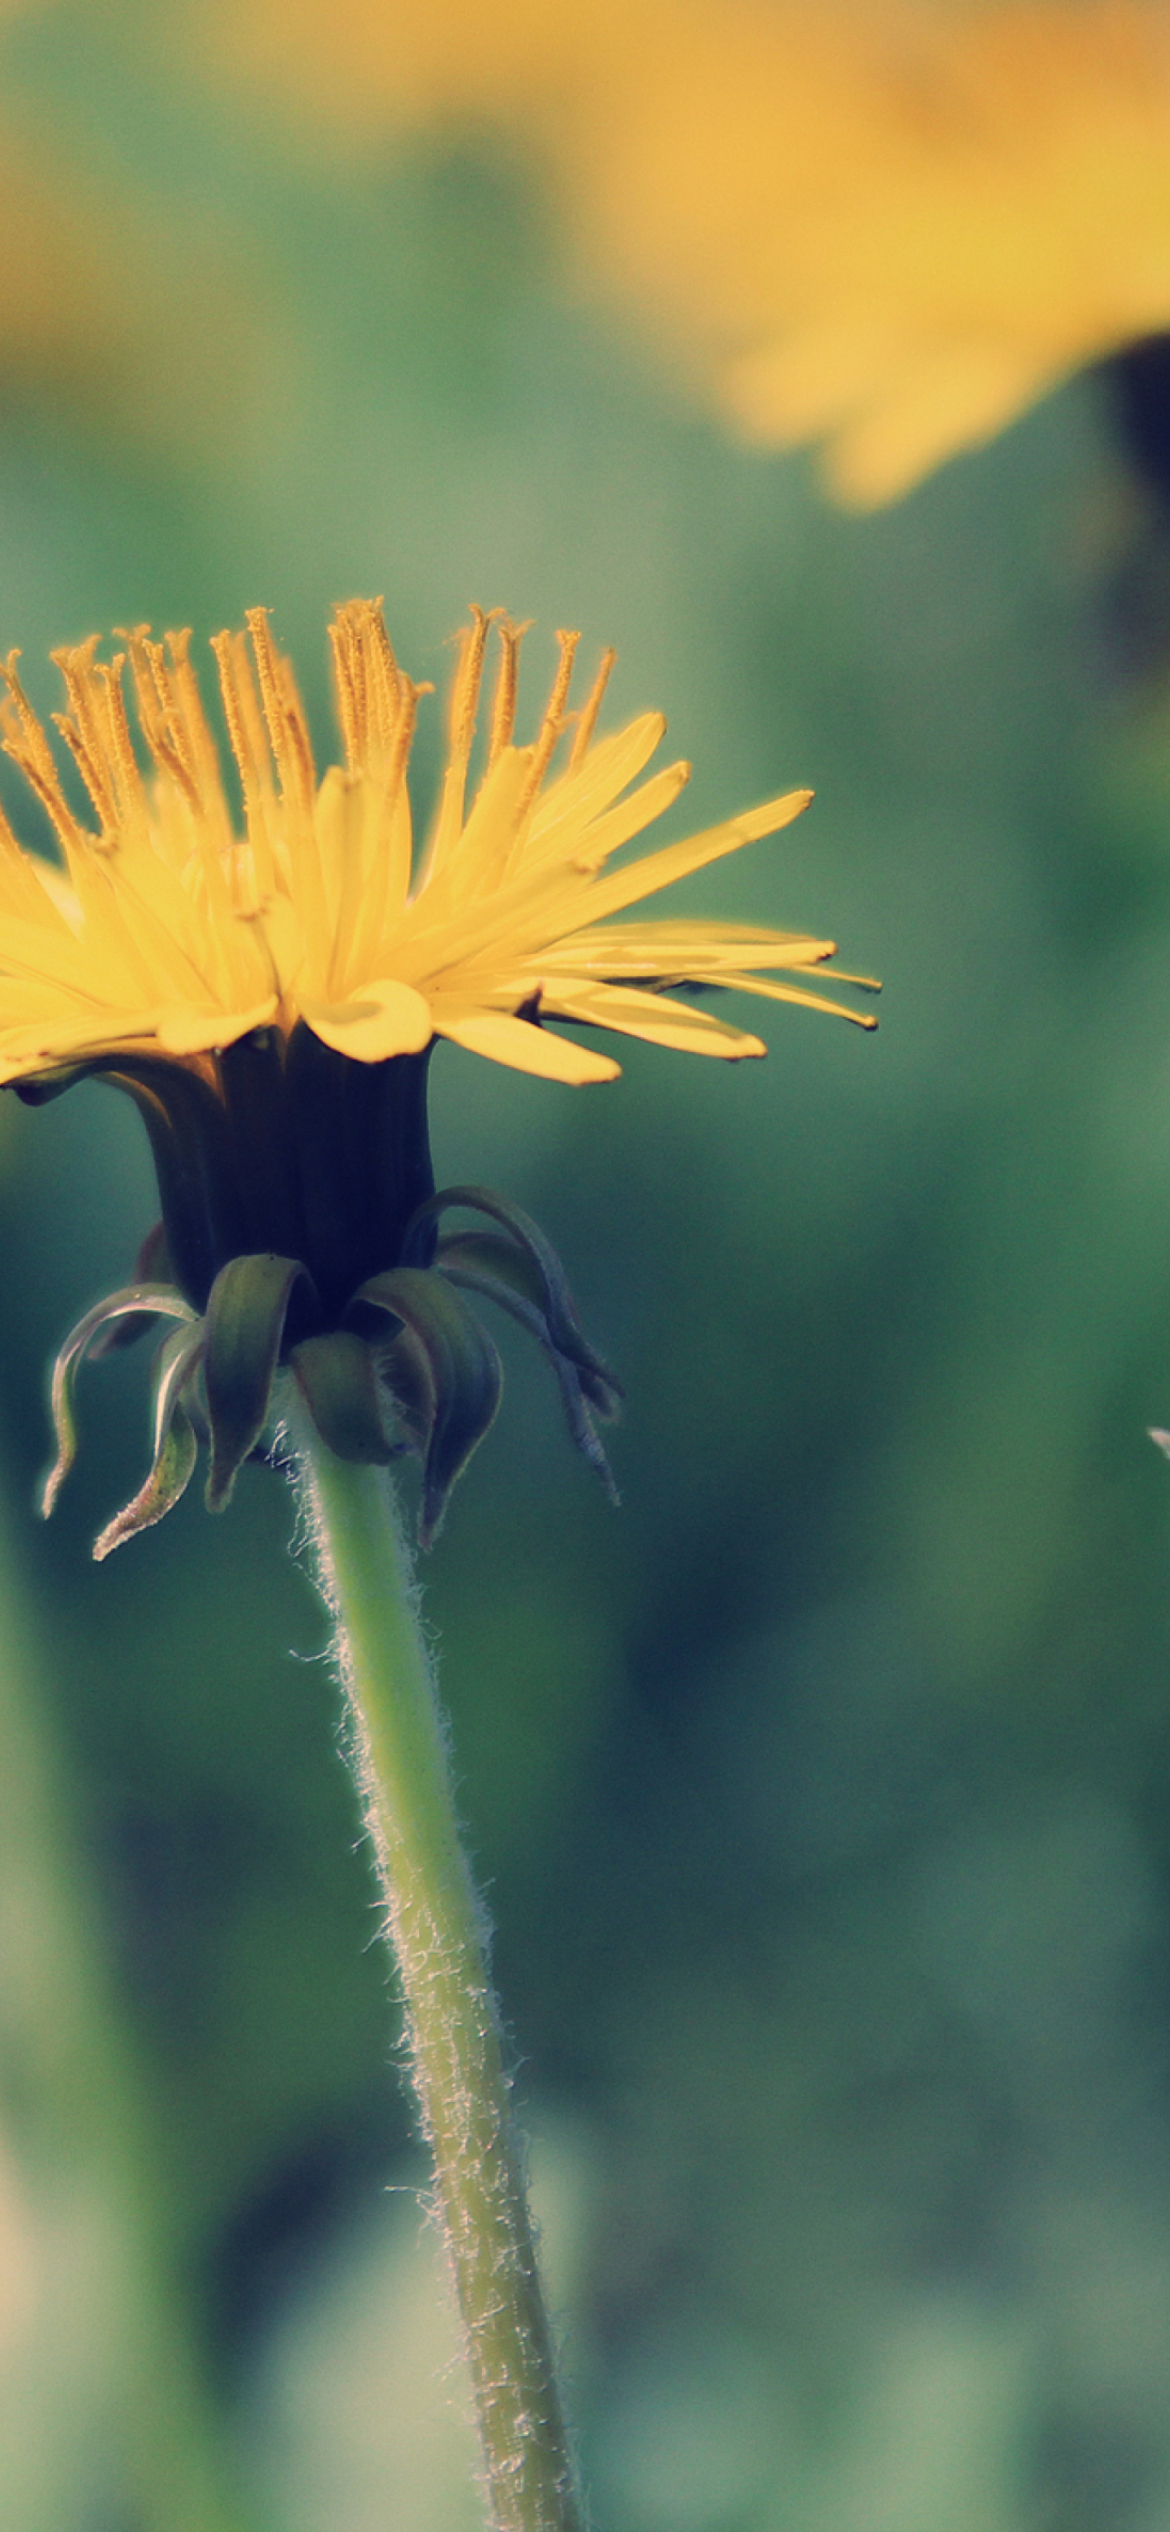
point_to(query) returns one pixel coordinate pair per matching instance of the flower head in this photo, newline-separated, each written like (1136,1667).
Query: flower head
(268,991)
(176,938)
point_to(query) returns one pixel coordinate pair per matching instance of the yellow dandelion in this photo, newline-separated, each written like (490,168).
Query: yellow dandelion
(869,225)
(269,989)
(269,992)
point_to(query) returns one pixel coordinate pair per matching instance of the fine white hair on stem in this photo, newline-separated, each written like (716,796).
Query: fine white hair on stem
(397,1746)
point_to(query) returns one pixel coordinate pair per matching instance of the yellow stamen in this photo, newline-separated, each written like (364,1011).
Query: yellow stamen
(587,717)
(348,687)
(384,681)
(389,888)
(25,742)
(464,708)
(190,724)
(553,722)
(504,701)
(84,734)
(123,761)
(241,737)
(252,721)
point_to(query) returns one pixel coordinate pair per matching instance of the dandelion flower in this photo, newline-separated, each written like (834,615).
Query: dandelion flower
(269,990)
(881,228)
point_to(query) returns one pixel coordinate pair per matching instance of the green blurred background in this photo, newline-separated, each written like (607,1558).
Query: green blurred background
(822,1794)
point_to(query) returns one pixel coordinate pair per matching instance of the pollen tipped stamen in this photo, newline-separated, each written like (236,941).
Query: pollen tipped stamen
(367,684)
(552,726)
(264,653)
(348,697)
(384,678)
(190,726)
(233,668)
(92,777)
(288,738)
(504,701)
(124,763)
(25,742)
(587,717)
(85,735)
(390,882)
(262,834)
(465,693)
(284,713)
(158,715)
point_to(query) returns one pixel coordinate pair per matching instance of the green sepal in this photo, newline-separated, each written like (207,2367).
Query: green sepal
(175,1443)
(409,1380)
(464,1369)
(338,1381)
(246,1313)
(135,1300)
(482,1262)
(536,1272)
(518,1269)
(151,1266)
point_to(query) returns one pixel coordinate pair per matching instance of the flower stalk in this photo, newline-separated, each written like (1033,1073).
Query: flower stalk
(435,1926)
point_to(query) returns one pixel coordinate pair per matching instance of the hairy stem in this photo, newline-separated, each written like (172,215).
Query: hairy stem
(435,1927)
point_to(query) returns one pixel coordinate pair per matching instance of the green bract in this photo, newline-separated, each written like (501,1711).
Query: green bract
(408,1370)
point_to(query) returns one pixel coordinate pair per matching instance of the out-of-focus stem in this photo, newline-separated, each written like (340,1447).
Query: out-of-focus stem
(72,2099)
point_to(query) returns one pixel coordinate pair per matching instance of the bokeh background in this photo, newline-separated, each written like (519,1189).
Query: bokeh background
(821,1794)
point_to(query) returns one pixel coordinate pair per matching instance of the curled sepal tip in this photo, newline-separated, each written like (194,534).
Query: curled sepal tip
(175,1443)
(518,1268)
(446,1413)
(151,1266)
(245,1325)
(134,1301)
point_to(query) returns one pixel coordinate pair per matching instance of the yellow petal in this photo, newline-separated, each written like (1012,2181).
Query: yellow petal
(527,1048)
(660,1021)
(630,816)
(189,1029)
(384,1018)
(677,861)
(610,764)
(31,1048)
(680,949)
(477,859)
(770,992)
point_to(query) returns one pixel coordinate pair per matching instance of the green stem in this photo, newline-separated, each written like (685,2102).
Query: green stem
(435,1926)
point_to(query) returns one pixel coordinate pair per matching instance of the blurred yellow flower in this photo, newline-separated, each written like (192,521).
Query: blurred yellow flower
(75,318)
(880,226)
(171,936)
(102,310)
